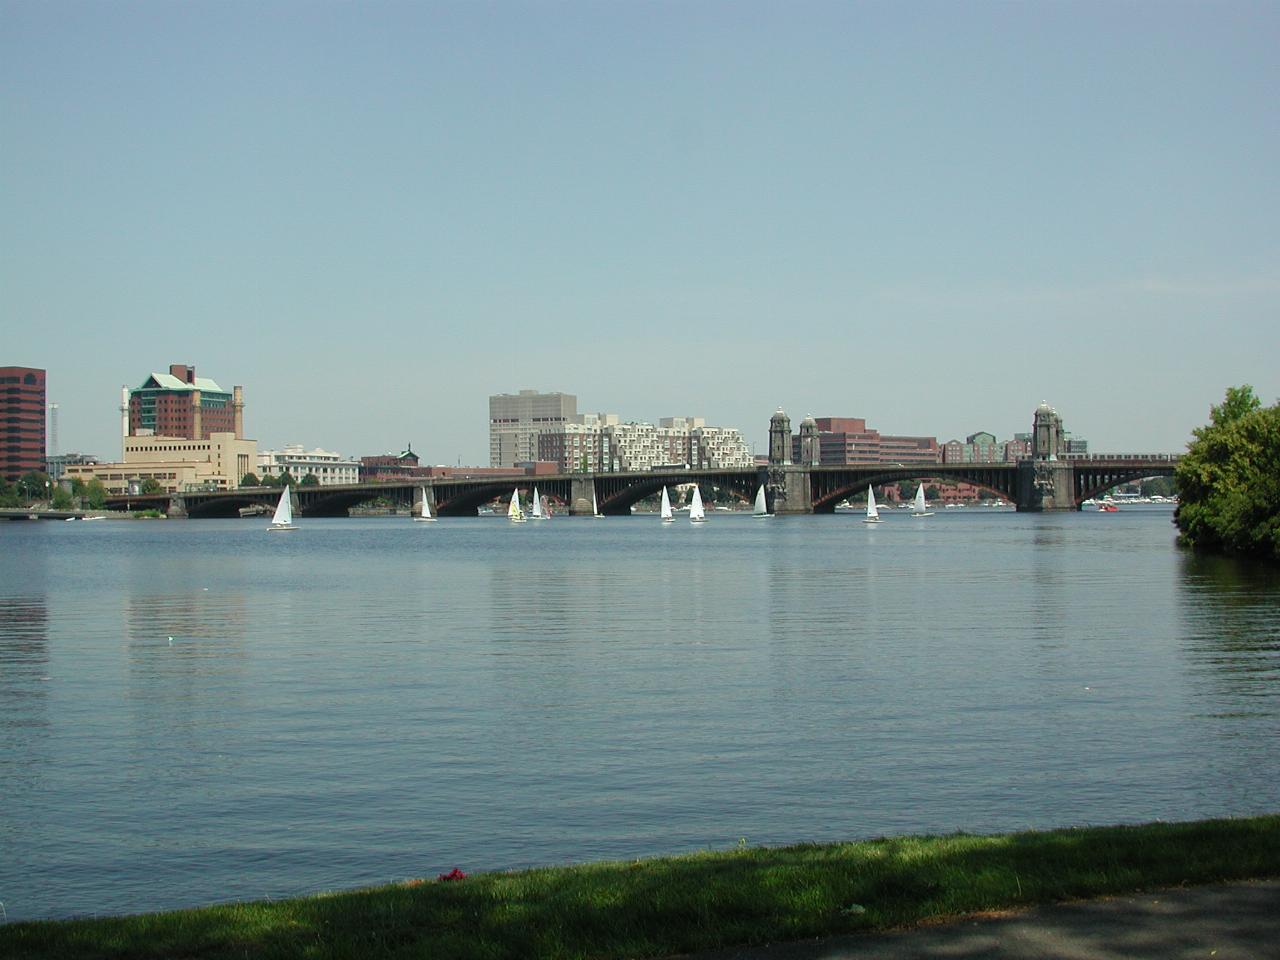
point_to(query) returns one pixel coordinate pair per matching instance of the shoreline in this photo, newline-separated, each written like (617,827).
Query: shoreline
(711,900)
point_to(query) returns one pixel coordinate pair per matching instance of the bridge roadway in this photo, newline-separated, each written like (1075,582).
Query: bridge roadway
(1031,485)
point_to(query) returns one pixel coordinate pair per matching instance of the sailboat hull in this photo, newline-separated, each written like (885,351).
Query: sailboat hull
(281,528)
(424,519)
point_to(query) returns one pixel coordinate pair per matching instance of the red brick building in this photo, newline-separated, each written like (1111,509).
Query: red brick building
(848,440)
(22,421)
(180,404)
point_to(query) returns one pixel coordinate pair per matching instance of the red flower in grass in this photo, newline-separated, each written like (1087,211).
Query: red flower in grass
(454,874)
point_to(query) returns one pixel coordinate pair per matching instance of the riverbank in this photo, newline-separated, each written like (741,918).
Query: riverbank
(700,902)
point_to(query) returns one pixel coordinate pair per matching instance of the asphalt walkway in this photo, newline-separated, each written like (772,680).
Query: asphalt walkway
(1239,921)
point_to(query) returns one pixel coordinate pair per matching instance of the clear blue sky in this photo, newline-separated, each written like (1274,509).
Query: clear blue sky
(373,215)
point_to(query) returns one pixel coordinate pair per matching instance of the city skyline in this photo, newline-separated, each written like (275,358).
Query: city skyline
(933,218)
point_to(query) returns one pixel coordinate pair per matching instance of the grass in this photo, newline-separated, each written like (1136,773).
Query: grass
(685,904)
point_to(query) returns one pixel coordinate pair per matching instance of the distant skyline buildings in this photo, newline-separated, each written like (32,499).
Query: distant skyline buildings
(530,426)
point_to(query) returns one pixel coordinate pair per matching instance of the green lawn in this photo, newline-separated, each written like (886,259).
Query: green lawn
(704,901)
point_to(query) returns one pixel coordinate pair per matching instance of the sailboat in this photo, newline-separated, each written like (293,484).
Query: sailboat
(514,513)
(595,507)
(424,514)
(761,511)
(545,505)
(666,507)
(696,513)
(873,513)
(918,506)
(536,502)
(283,519)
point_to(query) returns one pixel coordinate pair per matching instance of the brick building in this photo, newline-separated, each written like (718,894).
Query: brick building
(848,440)
(22,421)
(180,404)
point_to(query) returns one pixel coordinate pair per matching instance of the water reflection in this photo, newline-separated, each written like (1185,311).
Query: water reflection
(1230,611)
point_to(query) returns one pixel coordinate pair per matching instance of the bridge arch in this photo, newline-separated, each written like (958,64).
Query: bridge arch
(829,486)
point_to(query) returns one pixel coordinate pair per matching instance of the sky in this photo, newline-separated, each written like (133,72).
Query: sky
(374,215)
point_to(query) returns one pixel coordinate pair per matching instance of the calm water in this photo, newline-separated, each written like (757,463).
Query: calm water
(370,700)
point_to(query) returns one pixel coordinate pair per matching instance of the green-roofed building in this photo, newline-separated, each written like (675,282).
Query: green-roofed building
(180,404)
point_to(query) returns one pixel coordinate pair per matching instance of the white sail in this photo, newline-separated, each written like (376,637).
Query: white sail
(918,507)
(514,512)
(283,517)
(595,507)
(536,501)
(666,507)
(761,508)
(696,513)
(424,512)
(545,506)
(873,512)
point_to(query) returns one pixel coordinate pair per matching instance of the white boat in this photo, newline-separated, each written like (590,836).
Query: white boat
(918,506)
(873,513)
(424,513)
(536,501)
(761,511)
(545,505)
(666,507)
(595,507)
(696,513)
(514,513)
(283,519)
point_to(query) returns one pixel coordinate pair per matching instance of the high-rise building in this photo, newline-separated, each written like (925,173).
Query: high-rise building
(22,421)
(516,420)
(180,404)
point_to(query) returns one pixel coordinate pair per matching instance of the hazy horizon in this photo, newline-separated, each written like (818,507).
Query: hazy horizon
(374,216)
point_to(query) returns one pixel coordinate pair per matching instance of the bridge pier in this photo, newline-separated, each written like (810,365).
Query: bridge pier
(1045,485)
(177,509)
(580,488)
(789,488)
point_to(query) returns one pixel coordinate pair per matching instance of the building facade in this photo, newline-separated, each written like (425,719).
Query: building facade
(601,443)
(325,465)
(217,462)
(842,441)
(516,421)
(22,421)
(180,404)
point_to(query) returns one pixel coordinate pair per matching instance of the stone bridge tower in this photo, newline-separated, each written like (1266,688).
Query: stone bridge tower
(789,489)
(1044,481)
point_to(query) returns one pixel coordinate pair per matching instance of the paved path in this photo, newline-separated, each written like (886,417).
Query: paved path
(1239,921)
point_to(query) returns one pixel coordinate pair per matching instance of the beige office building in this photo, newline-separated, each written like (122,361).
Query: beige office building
(517,419)
(176,463)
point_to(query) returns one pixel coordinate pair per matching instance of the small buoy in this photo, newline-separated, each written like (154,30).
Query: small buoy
(171,641)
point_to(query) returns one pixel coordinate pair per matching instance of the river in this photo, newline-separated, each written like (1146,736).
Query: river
(194,711)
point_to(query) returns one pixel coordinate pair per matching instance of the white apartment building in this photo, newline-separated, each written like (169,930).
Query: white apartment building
(602,443)
(516,421)
(329,467)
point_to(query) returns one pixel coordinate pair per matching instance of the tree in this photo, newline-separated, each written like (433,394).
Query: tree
(8,494)
(250,480)
(1229,480)
(310,480)
(286,479)
(77,487)
(95,494)
(33,485)
(152,485)
(62,499)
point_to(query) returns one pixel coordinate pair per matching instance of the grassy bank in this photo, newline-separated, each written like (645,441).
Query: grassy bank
(685,904)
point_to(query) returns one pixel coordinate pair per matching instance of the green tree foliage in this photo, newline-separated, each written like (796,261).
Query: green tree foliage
(1229,480)
(62,499)
(8,494)
(95,494)
(152,485)
(310,480)
(269,481)
(33,485)
(250,480)
(286,479)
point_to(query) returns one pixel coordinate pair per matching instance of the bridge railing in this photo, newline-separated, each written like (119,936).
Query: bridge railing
(1121,457)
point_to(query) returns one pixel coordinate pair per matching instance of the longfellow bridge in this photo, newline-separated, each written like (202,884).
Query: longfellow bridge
(1047,480)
